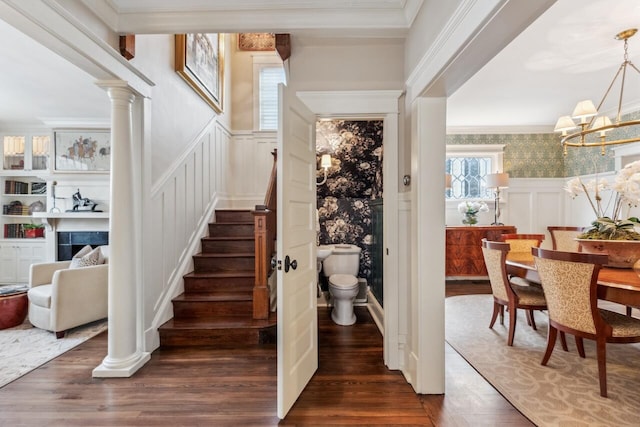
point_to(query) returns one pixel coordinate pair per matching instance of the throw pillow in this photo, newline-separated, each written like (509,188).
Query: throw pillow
(84,251)
(92,258)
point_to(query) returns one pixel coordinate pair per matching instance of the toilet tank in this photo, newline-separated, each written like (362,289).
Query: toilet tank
(344,259)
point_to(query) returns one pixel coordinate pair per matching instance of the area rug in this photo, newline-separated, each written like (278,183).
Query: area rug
(24,348)
(566,392)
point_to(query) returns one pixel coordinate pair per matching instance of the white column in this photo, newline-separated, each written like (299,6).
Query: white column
(124,355)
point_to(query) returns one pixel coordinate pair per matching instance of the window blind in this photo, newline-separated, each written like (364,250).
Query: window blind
(270,77)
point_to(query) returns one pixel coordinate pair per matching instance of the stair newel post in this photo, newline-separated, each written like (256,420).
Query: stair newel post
(262,263)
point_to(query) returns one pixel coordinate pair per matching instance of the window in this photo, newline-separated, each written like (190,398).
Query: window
(468,166)
(268,73)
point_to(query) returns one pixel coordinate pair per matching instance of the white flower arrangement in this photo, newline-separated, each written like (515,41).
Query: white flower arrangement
(625,193)
(472,208)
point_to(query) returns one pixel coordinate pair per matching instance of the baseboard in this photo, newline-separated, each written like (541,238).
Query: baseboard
(376,311)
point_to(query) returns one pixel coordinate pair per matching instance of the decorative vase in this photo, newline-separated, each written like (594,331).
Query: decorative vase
(622,253)
(470,219)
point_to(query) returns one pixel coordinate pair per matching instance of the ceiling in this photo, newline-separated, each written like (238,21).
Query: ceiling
(567,55)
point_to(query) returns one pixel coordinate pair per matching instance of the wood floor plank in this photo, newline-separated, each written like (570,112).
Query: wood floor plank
(227,387)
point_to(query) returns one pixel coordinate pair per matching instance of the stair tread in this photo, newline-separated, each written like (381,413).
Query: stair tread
(219,323)
(232,223)
(216,296)
(222,274)
(228,238)
(225,254)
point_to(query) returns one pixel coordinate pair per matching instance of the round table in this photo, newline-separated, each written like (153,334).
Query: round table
(13,309)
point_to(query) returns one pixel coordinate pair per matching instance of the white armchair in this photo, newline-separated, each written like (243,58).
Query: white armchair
(61,298)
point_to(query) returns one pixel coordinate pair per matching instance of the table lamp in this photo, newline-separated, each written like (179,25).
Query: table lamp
(497,181)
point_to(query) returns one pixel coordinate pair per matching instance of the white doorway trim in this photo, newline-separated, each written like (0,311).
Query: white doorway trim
(381,104)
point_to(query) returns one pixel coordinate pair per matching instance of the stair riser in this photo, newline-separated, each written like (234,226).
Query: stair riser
(196,285)
(227,246)
(203,337)
(209,310)
(234,216)
(230,230)
(212,265)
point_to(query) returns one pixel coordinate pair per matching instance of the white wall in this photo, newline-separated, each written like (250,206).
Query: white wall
(347,64)
(178,114)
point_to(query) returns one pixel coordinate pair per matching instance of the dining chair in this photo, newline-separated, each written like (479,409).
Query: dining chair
(521,244)
(570,283)
(563,238)
(507,294)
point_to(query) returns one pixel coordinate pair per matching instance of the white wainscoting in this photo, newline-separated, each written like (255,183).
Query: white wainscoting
(182,204)
(530,204)
(219,170)
(250,164)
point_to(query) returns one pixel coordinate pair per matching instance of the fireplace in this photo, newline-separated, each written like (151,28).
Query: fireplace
(70,242)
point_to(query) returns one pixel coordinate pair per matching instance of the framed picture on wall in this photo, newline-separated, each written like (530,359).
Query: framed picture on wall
(199,60)
(82,150)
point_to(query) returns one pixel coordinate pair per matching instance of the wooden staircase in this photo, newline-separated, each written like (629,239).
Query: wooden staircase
(216,307)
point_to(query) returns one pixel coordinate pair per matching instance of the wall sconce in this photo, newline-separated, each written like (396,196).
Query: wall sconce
(497,181)
(325,163)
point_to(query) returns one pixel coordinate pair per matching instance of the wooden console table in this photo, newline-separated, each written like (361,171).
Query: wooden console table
(464,249)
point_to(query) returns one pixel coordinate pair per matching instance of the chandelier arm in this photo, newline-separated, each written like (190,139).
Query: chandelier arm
(633,66)
(621,68)
(624,76)
(599,143)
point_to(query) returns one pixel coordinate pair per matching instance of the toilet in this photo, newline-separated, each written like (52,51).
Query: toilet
(341,268)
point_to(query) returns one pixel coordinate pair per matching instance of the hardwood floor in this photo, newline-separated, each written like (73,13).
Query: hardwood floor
(215,387)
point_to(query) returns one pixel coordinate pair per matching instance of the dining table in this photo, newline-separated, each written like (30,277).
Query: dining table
(619,285)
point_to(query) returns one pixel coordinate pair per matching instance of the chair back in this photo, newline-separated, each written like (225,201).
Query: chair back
(570,282)
(495,254)
(563,238)
(521,244)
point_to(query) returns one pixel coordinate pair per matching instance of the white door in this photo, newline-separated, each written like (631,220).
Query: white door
(297,318)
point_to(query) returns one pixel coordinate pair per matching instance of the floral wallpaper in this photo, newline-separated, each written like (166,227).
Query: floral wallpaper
(541,155)
(355,178)
(355,147)
(525,155)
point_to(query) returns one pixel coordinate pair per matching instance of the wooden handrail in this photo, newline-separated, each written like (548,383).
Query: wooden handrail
(265,224)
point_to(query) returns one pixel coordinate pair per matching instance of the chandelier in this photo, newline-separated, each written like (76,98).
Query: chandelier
(593,128)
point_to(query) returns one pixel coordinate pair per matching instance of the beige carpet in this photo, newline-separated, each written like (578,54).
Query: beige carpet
(24,348)
(563,393)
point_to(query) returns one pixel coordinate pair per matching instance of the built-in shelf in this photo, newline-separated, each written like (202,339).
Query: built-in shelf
(50,218)
(78,214)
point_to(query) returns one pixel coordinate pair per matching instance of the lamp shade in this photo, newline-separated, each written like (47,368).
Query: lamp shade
(584,110)
(600,122)
(325,162)
(447,180)
(563,124)
(497,180)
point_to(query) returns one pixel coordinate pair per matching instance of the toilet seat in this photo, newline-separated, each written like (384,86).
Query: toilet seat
(343,281)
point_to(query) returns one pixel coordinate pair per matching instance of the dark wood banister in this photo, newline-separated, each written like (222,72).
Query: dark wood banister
(265,224)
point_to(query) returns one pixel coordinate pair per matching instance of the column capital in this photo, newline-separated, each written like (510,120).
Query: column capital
(118,90)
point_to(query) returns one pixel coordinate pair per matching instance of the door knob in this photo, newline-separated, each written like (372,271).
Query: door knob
(288,263)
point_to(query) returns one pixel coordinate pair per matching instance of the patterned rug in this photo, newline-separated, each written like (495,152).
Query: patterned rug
(565,392)
(24,348)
